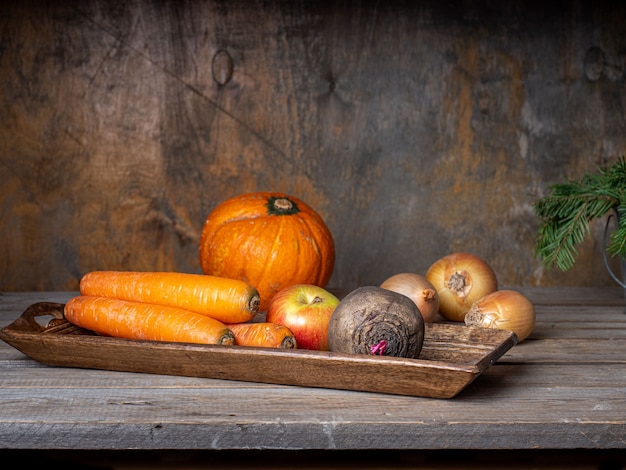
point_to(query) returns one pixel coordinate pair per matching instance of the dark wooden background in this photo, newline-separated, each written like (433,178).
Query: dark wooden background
(415,128)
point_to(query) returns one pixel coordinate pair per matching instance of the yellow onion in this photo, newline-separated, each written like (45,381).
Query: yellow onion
(417,288)
(503,310)
(460,280)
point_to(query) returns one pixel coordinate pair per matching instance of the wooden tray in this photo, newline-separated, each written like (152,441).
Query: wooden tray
(453,355)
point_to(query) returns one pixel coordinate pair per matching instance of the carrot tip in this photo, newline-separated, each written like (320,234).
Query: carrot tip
(227,339)
(289,342)
(254,304)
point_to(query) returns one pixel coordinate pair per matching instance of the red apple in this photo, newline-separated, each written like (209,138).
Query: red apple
(306,310)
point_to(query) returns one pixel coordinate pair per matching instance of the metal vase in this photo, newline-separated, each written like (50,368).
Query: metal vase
(621,280)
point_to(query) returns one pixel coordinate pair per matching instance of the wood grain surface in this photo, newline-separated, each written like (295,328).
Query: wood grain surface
(414,128)
(564,388)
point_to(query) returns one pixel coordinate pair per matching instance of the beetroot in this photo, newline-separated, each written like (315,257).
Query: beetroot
(373,320)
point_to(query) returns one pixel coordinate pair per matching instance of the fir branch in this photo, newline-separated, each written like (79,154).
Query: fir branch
(617,243)
(570,207)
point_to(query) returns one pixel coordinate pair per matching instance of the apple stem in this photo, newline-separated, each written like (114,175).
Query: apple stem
(379,348)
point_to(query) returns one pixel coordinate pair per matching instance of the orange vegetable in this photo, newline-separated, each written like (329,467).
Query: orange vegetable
(226,300)
(270,240)
(136,320)
(264,335)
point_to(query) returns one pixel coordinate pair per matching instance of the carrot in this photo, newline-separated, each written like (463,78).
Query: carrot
(226,300)
(136,320)
(263,335)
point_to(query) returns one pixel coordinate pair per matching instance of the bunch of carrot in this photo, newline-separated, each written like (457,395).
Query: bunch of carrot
(169,306)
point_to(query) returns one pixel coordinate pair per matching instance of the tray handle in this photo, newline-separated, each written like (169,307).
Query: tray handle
(27,321)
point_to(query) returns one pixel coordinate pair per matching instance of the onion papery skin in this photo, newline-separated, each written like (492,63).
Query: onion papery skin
(504,310)
(461,279)
(417,288)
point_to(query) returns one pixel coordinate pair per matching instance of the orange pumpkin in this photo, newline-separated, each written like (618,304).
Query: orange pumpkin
(270,240)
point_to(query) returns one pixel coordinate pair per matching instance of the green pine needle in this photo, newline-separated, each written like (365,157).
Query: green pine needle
(568,209)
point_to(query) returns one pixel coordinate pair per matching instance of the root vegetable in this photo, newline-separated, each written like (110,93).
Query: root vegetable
(136,320)
(417,288)
(226,300)
(460,280)
(263,335)
(504,310)
(373,320)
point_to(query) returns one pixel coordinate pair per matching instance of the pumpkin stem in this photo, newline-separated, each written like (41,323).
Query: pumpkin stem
(280,205)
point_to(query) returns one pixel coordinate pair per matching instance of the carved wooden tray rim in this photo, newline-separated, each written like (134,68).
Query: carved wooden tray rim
(453,356)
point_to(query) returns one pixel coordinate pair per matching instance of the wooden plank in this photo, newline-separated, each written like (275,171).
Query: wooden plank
(571,314)
(497,413)
(570,351)
(579,321)
(121,108)
(329,435)
(500,379)
(564,331)
(574,295)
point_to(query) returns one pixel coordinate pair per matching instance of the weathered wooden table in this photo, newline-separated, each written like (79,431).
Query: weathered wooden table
(562,390)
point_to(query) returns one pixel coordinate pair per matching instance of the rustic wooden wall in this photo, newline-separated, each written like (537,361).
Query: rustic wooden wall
(415,128)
